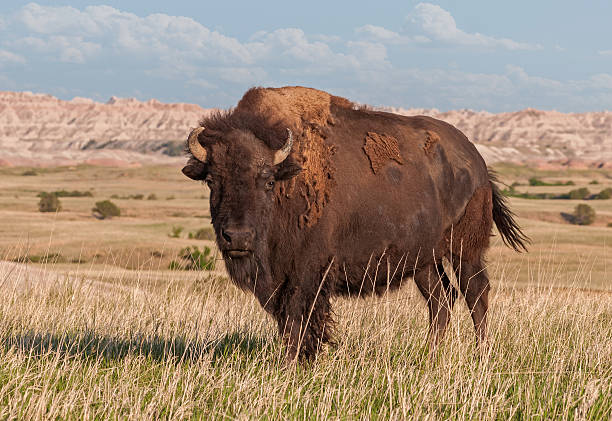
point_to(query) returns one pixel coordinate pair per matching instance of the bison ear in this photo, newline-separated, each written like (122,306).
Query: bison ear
(194,171)
(287,169)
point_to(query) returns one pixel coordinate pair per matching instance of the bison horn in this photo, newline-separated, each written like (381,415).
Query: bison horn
(282,154)
(196,149)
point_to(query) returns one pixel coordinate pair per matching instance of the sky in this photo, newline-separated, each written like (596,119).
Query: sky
(475,54)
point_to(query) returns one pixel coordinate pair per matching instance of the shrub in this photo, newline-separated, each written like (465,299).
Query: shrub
(609,225)
(105,210)
(173,148)
(207,233)
(605,194)
(74,193)
(170,198)
(594,182)
(137,196)
(152,196)
(194,259)
(29,173)
(49,202)
(579,194)
(534,181)
(583,215)
(45,258)
(176,232)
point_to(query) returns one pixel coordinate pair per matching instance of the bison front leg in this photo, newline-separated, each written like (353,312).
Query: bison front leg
(305,322)
(440,295)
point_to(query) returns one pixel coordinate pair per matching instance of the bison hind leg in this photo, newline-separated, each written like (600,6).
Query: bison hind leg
(467,242)
(436,288)
(474,285)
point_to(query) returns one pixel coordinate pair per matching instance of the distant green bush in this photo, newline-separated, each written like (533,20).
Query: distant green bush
(152,196)
(74,193)
(594,182)
(45,258)
(29,173)
(138,196)
(583,215)
(579,194)
(105,210)
(534,181)
(49,202)
(605,194)
(171,197)
(173,148)
(207,233)
(176,232)
(194,259)
(609,225)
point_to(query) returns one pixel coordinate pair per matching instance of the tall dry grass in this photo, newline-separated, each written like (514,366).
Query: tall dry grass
(199,348)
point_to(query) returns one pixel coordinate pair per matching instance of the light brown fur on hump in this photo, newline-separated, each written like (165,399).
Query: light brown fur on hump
(292,105)
(306,112)
(469,237)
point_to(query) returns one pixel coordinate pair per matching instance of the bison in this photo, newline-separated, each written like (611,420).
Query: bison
(313,197)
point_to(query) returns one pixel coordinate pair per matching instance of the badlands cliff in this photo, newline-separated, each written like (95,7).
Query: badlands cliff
(38,129)
(540,138)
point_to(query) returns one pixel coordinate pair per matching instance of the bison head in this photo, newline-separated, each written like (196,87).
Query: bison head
(241,172)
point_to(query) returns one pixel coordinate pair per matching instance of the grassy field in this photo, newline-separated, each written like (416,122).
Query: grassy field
(102,329)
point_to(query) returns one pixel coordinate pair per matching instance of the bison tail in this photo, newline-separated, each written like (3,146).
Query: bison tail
(511,233)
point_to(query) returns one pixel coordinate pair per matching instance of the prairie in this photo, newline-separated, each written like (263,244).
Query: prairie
(93,324)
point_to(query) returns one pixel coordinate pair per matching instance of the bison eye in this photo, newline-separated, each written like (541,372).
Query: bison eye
(270,185)
(208,180)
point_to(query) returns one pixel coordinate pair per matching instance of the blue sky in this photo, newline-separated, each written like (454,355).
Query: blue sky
(482,55)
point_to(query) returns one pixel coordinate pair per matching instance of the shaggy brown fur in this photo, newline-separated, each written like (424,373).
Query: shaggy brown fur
(306,112)
(331,219)
(473,231)
(380,148)
(431,138)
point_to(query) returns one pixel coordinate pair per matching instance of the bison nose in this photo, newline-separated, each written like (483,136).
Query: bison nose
(238,238)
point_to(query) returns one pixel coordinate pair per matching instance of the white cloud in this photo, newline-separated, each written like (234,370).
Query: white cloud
(9,57)
(171,44)
(369,53)
(329,39)
(440,25)
(378,32)
(66,49)
(605,52)
(290,45)
(164,36)
(385,35)
(53,20)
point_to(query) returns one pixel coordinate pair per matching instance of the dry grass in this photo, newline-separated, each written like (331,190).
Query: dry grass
(102,340)
(200,348)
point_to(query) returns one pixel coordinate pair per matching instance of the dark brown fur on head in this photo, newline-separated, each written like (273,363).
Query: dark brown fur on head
(242,177)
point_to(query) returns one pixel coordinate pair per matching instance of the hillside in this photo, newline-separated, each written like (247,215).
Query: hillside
(38,129)
(539,138)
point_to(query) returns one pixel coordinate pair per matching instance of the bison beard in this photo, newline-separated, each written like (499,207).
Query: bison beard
(309,193)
